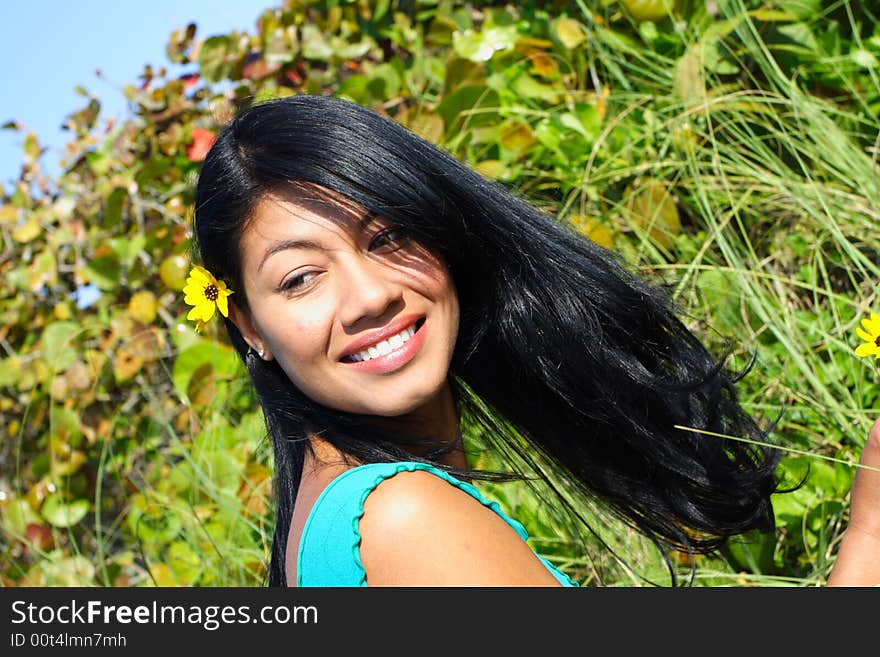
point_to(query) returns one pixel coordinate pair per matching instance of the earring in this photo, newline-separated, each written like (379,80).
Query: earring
(260,352)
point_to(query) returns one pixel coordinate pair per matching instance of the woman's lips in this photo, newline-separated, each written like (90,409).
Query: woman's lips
(396,358)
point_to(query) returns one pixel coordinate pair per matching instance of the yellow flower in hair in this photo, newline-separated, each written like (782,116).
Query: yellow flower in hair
(204,293)
(871,336)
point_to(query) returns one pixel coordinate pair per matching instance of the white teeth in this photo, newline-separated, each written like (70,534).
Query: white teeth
(385,346)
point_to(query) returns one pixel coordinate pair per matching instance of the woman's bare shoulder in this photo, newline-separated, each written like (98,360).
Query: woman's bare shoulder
(420,530)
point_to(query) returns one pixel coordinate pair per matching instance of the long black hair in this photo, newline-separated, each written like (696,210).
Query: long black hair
(563,353)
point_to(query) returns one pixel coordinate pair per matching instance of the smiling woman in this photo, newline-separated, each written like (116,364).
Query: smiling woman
(383,292)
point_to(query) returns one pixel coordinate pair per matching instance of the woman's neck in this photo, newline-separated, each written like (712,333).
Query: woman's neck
(439,415)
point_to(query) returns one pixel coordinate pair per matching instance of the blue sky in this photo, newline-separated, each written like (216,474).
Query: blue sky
(48,47)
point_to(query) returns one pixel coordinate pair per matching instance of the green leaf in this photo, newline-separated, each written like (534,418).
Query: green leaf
(59,513)
(104,272)
(380,9)
(345,50)
(463,73)
(56,344)
(570,121)
(10,371)
(465,100)
(773,16)
(185,562)
(801,9)
(113,207)
(72,571)
(482,46)
(43,271)
(528,87)
(589,118)
(864,58)
(383,82)
(569,32)
(690,85)
(751,553)
(31,146)
(282,47)
(220,360)
(128,248)
(17,515)
(221,467)
(801,34)
(100,161)
(314,45)
(214,58)
(549,134)
(354,88)
(152,522)
(28,231)
(65,425)
(714,59)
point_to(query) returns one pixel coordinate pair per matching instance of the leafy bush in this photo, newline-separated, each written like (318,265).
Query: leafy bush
(728,149)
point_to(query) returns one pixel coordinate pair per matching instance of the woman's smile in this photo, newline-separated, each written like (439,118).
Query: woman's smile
(389,355)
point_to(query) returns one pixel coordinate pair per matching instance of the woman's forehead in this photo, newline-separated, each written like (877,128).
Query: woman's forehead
(293,210)
(287,220)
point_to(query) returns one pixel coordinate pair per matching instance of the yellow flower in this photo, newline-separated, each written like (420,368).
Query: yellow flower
(871,346)
(204,293)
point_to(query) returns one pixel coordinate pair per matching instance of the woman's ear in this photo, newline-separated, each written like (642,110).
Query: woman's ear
(249,332)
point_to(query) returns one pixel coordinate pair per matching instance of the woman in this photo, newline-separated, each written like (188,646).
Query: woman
(384,293)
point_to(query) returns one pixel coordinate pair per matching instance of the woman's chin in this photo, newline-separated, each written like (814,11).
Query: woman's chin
(408,405)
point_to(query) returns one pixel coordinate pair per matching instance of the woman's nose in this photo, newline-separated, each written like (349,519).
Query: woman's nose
(366,290)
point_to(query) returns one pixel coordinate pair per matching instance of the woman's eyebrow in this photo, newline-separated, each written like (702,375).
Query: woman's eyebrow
(287,245)
(299,243)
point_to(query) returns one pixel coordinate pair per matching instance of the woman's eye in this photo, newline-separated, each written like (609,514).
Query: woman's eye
(393,236)
(294,283)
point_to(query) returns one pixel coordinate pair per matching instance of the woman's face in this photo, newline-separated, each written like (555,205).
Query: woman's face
(359,317)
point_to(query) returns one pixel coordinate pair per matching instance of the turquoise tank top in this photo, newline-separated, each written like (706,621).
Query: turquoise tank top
(329,549)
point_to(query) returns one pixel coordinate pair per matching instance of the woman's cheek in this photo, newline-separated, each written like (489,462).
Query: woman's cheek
(308,336)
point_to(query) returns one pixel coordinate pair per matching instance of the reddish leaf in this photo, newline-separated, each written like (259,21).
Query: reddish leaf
(189,79)
(257,67)
(38,538)
(202,140)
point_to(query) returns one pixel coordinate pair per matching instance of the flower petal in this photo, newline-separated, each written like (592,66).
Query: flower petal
(223,304)
(867,337)
(203,312)
(873,324)
(201,276)
(867,349)
(195,297)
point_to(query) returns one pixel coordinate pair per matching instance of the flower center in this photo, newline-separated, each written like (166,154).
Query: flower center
(211,292)
(877,341)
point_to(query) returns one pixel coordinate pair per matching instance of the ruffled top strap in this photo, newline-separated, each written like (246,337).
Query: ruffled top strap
(329,550)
